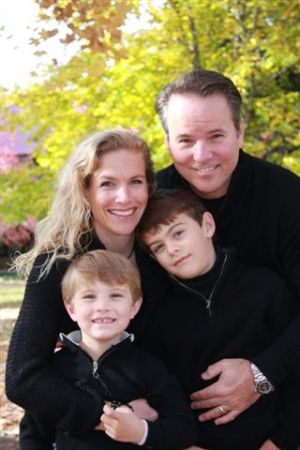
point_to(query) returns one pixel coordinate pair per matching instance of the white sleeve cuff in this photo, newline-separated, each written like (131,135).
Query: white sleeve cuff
(145,435)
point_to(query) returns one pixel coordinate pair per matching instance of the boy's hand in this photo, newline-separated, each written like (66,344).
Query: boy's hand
(230,395)
(123,425)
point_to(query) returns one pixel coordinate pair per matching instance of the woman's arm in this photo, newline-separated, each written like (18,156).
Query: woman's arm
(30,381)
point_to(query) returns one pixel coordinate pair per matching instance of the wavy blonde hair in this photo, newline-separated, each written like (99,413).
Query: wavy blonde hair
(66,230)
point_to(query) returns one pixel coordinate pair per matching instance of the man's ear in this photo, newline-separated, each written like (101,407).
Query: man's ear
(241,133)
(136,307)
(166,140)
(70,309)
(208,224)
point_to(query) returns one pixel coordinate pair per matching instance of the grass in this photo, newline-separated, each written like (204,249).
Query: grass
(11,291)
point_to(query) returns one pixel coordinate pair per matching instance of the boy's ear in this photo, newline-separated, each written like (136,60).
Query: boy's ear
(70,309)
(208,224)
(135,307)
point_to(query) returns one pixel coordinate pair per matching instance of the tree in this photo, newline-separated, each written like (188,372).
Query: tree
(254,42)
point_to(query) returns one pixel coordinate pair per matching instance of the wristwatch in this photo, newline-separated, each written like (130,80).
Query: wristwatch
(261,383)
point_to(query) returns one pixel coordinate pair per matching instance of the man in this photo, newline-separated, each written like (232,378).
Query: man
(256,206)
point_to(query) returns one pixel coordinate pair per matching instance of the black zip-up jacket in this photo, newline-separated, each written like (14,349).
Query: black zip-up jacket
(260,217)
(30,382)
(249,308)
(122,373)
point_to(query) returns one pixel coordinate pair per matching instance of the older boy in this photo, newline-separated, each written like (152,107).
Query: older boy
(218,309)
(102,293)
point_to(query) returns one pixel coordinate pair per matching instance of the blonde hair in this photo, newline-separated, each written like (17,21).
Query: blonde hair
(104,266)
(67,229)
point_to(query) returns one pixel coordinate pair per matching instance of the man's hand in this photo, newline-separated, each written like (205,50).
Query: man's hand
(121,424)
(268,445)
(230,395)
(143,410)
(194,447)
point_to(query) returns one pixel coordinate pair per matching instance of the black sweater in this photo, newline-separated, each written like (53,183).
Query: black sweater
(122,373)
(30,382)
(260,217)
(249,308)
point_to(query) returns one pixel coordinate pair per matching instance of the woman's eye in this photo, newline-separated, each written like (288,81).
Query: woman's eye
(106,184)
(136,181)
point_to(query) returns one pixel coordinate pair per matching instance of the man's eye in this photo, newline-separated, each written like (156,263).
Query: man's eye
(184,141)
(217,136)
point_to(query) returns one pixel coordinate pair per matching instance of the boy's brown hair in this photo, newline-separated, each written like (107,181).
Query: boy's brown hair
(104,266)
(163,206)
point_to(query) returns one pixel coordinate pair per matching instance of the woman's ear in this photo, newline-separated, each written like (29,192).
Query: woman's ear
(208,224)
(135,307)
(71,311)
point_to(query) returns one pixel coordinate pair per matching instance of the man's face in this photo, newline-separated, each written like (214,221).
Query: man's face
(203,141)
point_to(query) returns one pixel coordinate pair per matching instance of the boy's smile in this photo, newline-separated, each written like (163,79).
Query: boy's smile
(183,247)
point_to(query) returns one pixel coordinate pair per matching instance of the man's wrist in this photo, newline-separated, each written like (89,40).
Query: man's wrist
(261,383)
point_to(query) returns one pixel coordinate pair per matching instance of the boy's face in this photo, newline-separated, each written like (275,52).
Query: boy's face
(184,248)
(102,311)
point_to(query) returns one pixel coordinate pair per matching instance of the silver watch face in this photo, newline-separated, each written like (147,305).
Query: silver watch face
(264,387)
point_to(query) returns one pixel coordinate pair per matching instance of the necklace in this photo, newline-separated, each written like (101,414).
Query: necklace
(207,300)
(131,253)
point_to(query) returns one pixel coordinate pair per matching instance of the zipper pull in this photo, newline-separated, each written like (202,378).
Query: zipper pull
(95,368)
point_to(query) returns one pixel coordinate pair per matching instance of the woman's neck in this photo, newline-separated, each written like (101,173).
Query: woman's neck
(119,244)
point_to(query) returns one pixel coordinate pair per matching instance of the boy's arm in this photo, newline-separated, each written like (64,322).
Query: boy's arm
(176,427)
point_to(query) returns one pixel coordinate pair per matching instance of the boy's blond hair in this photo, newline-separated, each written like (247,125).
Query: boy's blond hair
(104,266)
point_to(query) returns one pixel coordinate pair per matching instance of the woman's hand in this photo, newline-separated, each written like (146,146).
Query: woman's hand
(122,424)
(230,395)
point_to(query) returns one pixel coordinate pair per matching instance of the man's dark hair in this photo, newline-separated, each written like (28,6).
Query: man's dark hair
(163,206)
(203,83)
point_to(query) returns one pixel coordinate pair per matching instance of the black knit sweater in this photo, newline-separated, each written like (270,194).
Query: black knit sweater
(260,218)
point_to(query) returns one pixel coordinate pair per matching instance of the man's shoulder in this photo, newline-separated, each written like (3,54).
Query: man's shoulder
(169,178)
(272,170)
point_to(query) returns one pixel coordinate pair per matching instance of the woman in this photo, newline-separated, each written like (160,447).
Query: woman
(100,198)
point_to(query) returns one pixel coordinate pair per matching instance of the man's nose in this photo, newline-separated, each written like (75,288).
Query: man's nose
(201,151)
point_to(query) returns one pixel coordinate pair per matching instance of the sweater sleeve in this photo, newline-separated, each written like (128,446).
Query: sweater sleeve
(281,311)
(30,382)
(176,427)
(282,357)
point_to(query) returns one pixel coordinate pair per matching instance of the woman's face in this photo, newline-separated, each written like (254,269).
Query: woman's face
(118,193)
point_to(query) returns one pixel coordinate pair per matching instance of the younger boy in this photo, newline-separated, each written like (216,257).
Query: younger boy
(218,309)
(102,293)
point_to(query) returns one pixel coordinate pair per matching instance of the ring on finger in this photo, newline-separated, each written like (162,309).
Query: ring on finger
(221,410)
